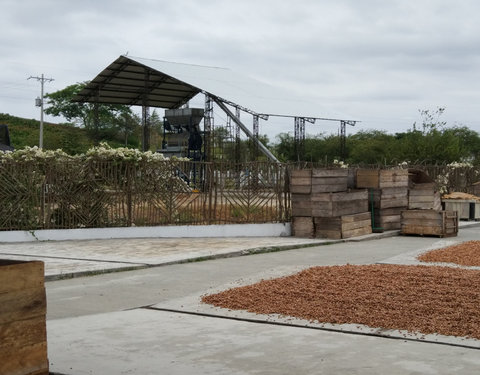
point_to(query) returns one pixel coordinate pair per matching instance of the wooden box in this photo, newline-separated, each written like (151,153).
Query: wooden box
(303,227)
(466,209)
(389,197)
(430,223)
(339,204)
(23,334)
(387,219)
(422,196)
(301,181)
(382,178)
(301,204)
(329,180)
(344,226)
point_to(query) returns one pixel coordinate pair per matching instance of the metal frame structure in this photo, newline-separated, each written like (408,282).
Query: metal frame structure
(154,83)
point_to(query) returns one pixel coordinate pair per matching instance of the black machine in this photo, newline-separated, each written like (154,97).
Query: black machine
(181,133)
(5,139)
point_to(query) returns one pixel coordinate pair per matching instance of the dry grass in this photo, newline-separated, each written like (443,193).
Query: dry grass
(423,299)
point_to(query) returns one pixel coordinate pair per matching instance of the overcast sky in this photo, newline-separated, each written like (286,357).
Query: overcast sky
(378,61)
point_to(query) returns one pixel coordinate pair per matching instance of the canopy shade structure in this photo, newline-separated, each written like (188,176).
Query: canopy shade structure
(154,83)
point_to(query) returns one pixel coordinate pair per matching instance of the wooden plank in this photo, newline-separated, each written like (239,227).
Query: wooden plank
(356,225)
(301,181)
(422,230)
(303,227)
(430,222)
(301,211)
(357,232)
(330,181)
(300,189)
(393,178)
(22,333)
(22,304)
(300,173)
(421,205)
(357,217)
(340,196)
(389,211)
(329,188)
(390,226)
(368,178)
(18,275)
(297,198)
(388,219)
(330,173)
(331,209)
(301,205)
(421,214)
(27,360)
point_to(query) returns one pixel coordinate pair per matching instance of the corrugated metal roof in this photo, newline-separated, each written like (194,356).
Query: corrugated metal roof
(170,85)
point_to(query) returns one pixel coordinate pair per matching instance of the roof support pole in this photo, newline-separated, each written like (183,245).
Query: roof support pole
(96,118)
(299,138)
(261,146)
(237,137)
(145,115)
(207,128)
(343,137)
(256,129)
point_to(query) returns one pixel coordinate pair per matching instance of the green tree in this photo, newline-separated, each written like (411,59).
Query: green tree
(101,121)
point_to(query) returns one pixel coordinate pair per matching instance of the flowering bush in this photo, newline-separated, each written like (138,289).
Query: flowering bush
(33,154)
(101,152)
(340,164)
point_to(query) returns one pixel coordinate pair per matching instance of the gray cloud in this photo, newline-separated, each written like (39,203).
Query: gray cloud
(378,61)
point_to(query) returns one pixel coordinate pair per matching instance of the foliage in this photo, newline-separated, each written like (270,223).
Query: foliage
(430,142)
(86,114)
(25,132)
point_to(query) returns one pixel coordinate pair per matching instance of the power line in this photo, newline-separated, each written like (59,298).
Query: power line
(39,103)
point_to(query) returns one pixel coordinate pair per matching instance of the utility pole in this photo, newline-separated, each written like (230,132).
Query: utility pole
(39,103)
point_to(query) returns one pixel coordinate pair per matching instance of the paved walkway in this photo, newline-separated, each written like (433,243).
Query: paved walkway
(150,321)
(66,259)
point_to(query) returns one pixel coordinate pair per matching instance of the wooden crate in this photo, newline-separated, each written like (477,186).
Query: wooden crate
(339,204)
(422,196)
(430,223)
(301,204)
(382,178)
(389,197)
(343,226)
(329,180)
(301,181)
(466,209)
(387,218)
(23,334)
(303,227)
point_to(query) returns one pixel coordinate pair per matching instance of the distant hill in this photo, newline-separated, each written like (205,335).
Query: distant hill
(25,132)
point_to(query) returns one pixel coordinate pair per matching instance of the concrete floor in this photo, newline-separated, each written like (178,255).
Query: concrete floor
(102,324)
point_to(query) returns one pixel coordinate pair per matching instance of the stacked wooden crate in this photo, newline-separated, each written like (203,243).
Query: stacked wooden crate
(328,209)
(424,216)
(300,191)
(422,194)
(23,335)
(388,195)
(430,223)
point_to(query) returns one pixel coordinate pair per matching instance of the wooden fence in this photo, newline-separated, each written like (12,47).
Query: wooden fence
(91,193)
(79,193)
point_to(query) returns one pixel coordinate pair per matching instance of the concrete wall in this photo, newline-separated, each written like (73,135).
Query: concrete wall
(230,230)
